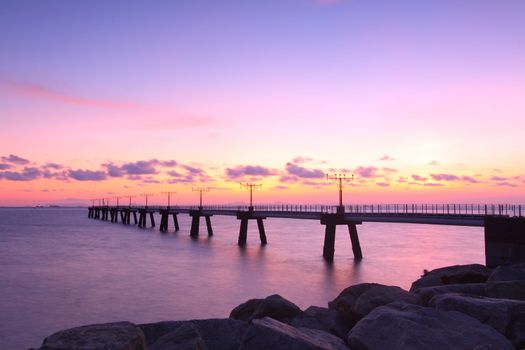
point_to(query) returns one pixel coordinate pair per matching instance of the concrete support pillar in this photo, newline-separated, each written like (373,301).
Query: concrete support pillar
(243,232)
(208,226)
(504,240)
(356,246)
(262,234)
(329,242)
(142,219)
(152,219)
(175,222)
(195,222)
(164,215)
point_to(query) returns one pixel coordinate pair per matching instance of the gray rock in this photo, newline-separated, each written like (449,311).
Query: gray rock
(274,306)
(186,337)
(268,333)
(506,316)
(506,290)
(507,282)
(218,334)
(411,327)
(108,336)
(357,301)
(457,274)
(506,273)
(427,293)
(323,319)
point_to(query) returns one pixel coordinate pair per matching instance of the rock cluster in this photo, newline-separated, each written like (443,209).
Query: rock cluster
(456,307)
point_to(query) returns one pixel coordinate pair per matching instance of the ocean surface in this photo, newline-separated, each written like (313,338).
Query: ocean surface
(59,269)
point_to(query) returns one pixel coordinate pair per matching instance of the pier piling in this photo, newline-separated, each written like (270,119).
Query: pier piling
(244,216)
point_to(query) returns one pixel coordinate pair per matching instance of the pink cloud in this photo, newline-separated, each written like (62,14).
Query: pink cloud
(141,167)
(419,178)
(386,157)
(13,159)
(382,184)
(288,178)
(27,174)
(301,160)
(302,172)
(249,170)
(87,175)
(470,179)
(433,163)
(53,166)
(43,92)
(389,170)
(499,178)
(506,184)
(366,172)
(444,177)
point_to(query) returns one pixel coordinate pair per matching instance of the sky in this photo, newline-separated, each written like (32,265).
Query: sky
(422,101)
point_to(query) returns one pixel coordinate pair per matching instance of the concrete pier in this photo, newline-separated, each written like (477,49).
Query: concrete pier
(164,219)
(504,225)
(504,240)
(245,216)
(195,222)
(143,214)
(331,221)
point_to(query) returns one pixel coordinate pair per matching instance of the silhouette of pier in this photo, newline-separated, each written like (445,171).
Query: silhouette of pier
(504,224)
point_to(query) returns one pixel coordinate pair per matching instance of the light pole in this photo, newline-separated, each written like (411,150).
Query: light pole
(169,196)
(146,195)
(129,197)
(340,179)
(201,190)
(251,186)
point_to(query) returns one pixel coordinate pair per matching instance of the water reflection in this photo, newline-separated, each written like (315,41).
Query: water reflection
(61,269)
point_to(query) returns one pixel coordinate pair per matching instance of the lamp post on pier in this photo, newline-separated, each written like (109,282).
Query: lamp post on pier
(251,186)
(168,193)
(341,180)
(130,197)
(200,190)
(117,199)
(146,195)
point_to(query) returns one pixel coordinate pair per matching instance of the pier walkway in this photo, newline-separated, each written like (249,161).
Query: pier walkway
(504,224)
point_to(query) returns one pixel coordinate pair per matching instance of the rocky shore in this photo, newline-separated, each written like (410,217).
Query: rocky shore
(455,307)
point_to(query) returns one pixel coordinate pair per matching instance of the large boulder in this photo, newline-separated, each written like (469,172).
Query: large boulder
(411,327)
(274,306)
(323,319)
(427,293)
(506,290)
(186,337)
(457,274)
(218,334)
(357,301)
(268,333)
(115,336)
(506,316)
(515,272)
(154,331)
(507,282)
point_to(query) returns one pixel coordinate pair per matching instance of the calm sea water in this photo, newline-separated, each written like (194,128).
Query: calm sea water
(59,269)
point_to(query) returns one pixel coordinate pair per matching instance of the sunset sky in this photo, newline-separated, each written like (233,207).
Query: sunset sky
(423,101)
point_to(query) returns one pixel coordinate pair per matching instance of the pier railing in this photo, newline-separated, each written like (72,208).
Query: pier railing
(508,210)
